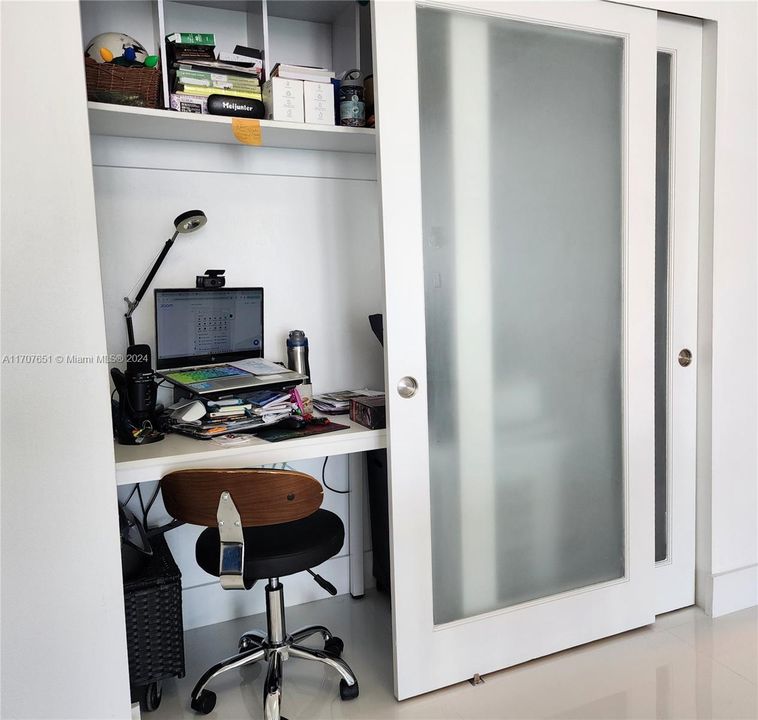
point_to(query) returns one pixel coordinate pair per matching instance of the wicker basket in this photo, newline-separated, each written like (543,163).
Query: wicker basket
(154,629)
(111,83)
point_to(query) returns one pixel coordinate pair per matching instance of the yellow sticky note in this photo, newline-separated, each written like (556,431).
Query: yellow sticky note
(247,131)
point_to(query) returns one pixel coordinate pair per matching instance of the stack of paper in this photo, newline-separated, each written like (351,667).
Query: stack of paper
(260,408)
(302,72)
(338,403)
(267,400)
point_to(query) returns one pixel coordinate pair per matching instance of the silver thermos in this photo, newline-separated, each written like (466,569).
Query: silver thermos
(297,354)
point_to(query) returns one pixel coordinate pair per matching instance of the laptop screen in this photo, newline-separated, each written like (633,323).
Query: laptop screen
(200,327)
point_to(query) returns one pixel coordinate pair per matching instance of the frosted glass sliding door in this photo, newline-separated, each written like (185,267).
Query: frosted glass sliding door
(521,176)
(516,150)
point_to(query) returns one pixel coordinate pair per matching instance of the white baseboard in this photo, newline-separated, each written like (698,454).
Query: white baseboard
(734,590)
(209,603)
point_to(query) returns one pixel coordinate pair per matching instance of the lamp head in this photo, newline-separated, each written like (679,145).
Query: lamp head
(190,221)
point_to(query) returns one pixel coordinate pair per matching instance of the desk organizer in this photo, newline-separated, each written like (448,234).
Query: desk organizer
(111,83)
(154,627)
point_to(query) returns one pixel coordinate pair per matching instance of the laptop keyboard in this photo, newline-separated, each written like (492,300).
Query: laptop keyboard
(199,375)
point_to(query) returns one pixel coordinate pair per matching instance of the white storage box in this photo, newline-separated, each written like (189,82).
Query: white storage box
(318,99)
(283,99)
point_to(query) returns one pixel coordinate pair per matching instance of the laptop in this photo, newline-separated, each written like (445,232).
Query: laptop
(210,341)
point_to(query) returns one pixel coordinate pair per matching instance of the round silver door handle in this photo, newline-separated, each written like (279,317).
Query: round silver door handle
(407,386)
(685,357)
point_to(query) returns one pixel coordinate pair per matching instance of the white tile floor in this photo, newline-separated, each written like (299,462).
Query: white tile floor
(685,666)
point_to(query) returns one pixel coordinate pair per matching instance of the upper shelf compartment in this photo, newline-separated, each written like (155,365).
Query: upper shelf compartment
(329,33)
(124,121)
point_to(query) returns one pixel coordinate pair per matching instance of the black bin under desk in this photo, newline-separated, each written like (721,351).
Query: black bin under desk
(378,498)
(154,625)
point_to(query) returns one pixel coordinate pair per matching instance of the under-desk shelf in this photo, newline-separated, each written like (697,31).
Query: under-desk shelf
(125,121)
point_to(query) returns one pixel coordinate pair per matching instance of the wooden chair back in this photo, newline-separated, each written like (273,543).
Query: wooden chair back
(262,496)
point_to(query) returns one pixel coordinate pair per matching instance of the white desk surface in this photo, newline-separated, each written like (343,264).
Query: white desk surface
(136,464)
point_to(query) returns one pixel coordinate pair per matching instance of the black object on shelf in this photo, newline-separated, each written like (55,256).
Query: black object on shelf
(154,627)
(378,495)
(378,501)
(135,546)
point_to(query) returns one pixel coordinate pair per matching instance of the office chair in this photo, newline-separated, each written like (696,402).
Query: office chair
(261,524)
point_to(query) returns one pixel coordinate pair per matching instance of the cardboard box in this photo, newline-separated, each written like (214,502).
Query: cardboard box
(283,99)
(318,99)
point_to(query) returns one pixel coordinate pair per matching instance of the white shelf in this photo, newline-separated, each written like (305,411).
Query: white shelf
(124,121)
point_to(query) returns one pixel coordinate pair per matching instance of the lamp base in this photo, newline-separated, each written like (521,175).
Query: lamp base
(127,433)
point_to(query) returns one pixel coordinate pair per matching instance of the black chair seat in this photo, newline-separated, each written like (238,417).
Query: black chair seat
(277,550)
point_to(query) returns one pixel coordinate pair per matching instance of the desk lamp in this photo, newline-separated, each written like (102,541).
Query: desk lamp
(187,222)
(136,388)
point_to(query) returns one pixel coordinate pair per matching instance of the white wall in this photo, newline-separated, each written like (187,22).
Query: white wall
(727,564)
(231,27)
(728,567)
(63,641)
(734,422)
(302,224)
(135,18)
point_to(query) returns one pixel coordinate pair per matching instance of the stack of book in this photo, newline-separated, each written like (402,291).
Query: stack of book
(196,72)
(338,403)
(303,72)
(268,400)
(235,415)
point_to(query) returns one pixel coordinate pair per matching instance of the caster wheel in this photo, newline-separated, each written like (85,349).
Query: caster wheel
(334,647)
(204,703)
(348,692)
(151,698)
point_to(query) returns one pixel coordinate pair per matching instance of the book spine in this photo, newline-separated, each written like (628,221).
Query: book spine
(216,67)
(206,91)
(291,70)
(233,57)
(192,38)
(308,77)
(188,53)
(194,77)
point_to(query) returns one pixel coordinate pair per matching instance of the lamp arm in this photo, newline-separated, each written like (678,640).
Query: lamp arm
(132,304)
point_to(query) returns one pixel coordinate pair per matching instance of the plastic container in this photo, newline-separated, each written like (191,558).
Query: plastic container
(352,106)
